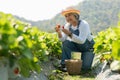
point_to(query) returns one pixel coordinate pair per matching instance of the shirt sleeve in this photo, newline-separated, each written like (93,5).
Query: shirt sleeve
(83,33)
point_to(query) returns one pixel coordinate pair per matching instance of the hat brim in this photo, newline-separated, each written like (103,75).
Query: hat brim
(70,11)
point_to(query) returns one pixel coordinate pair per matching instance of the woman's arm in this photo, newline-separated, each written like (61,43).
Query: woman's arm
(63,37)
(59,34)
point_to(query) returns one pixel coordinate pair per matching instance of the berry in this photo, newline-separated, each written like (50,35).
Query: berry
(58,26)
(16,70)
(63,27)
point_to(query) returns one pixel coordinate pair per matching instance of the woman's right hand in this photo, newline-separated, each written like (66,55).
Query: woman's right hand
(57,28)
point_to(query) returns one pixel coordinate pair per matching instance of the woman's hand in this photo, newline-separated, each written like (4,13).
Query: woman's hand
(67,32)
(57,28)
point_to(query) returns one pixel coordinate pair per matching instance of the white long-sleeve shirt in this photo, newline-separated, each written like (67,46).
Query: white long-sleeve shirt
(84,33)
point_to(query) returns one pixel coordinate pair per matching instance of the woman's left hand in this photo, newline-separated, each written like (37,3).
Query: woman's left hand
(67,32)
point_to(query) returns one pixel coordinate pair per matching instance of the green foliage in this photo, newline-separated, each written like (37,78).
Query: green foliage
(107,42)
(21,43)
(53,44)
(116,45)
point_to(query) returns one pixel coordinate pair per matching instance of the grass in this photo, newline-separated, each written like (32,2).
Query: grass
(78,78)
(58,75)
(83,76)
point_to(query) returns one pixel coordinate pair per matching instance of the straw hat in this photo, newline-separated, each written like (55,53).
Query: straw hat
(70,10)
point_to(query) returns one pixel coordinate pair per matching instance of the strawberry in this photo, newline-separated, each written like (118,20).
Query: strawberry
(58,26)
(63,27)
(16,70)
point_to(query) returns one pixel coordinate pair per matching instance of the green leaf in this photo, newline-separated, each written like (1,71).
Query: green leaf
(27,53)
(116,49)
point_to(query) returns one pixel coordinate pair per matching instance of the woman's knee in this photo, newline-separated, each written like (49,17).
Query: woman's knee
(69,45)
(66,43)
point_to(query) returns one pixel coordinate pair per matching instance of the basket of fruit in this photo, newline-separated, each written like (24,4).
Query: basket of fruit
(73,66)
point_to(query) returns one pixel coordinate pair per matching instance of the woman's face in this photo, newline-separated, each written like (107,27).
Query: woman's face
(70,18)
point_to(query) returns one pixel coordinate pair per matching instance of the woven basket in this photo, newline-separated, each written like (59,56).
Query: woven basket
(73,66)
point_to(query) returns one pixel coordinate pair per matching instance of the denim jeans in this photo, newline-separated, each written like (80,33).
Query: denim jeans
(86,56)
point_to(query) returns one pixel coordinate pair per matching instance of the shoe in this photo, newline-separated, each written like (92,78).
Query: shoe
(62,67)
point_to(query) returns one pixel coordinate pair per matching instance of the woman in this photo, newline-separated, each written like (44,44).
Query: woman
(75,36)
